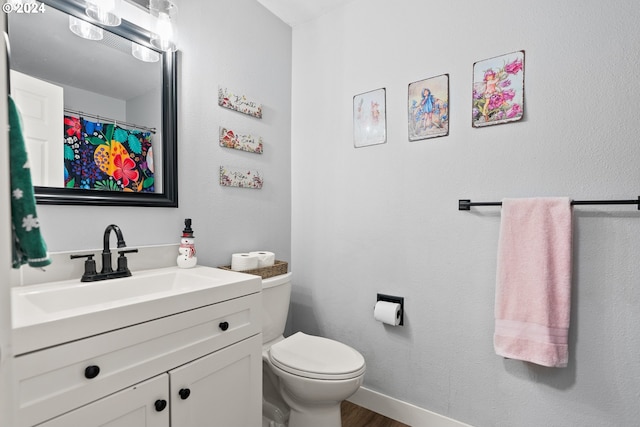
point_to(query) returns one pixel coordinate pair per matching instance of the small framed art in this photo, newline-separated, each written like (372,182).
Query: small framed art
(240,103)
(428,108)
(498,90)
(369,118)
(240,177)
(245,142)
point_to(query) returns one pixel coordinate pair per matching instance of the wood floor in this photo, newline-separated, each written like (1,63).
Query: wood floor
(357,416)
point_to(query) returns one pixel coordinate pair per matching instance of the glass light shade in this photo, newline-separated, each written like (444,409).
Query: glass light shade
(105,12)
(143,53)
(84,29)
(165,14)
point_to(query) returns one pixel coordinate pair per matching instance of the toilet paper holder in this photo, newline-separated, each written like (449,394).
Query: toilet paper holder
(396,300)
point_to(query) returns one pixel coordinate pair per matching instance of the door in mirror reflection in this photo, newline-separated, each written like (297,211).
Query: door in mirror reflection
(40,105)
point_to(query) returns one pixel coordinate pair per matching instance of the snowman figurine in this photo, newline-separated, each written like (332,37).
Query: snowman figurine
(187,250)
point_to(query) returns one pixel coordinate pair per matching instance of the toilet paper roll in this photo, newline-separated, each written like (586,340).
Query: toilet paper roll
(243,261)
(387,312)
(265,259)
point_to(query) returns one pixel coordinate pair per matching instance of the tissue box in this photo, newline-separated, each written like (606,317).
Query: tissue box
(278,268)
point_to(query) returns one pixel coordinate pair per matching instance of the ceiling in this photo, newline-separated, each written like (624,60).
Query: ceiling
(292,12)
(295,12)
(39,40)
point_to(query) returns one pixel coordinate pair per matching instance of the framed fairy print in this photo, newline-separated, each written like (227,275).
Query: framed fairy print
(498,90)
(428,108)
(369,118)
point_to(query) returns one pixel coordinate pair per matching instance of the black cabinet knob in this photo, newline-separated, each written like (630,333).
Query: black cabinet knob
(91,372)
(224,325)
(184,393)
(160,404)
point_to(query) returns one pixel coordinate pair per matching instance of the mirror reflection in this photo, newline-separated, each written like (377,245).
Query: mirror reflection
(94,110)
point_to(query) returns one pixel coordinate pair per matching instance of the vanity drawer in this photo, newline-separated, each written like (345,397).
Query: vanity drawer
(55,380)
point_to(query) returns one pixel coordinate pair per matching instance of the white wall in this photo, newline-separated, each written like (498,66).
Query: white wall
(241,45)
(385,219)
(94,103)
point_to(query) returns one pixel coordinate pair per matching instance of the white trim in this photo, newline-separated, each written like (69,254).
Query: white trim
(401,411)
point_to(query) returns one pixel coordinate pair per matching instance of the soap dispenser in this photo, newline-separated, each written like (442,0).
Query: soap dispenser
(187,250)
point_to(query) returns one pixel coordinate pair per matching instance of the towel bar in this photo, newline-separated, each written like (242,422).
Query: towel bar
(465,204)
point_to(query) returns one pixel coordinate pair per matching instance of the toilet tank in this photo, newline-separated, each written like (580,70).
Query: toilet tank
(276,293)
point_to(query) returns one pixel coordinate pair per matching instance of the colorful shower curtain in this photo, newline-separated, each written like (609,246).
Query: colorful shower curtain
(108,157)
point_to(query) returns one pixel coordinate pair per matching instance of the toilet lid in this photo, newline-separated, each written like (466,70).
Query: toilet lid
(316,357)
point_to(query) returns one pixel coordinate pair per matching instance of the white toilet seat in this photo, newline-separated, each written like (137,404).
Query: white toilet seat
(317,358)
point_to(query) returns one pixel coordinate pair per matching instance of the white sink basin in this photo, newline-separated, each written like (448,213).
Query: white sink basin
(73,295)
(58,312)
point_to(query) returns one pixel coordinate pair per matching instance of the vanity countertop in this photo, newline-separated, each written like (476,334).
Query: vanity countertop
(58,312)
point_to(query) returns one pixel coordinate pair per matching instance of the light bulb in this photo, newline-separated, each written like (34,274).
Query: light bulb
(163,34)
(143,53)
(84,29)
(104,11)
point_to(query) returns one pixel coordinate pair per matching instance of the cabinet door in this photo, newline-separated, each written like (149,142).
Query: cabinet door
(222,389)
(135,406)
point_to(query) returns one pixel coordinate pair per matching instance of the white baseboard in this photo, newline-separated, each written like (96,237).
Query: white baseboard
(401,411)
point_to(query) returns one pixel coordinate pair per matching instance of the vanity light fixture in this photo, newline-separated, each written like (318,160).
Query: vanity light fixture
(106,12)
(84,29)
(144,53)
(163,34)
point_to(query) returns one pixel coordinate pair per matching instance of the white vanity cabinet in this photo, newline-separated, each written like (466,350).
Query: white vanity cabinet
(204,364)
(134,406)
(221,389)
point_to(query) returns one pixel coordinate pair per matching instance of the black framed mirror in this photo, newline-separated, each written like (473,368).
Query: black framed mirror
(164,192)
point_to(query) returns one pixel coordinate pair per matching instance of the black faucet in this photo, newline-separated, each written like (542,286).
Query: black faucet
(106,252)
(107,272)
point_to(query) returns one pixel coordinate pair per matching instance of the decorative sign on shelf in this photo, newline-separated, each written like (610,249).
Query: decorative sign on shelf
(243,178)
(240,103)
(231,139)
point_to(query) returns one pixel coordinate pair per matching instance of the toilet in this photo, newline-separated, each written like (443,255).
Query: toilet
(305,377)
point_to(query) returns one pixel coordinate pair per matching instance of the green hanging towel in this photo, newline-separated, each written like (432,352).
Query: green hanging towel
(28,245)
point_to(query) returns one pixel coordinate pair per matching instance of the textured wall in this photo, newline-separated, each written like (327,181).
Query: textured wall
(385,219)
(241,45)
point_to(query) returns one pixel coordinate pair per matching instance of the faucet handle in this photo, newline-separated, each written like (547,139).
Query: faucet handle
(90,256)
(89,265)
(127,251)
(122,260)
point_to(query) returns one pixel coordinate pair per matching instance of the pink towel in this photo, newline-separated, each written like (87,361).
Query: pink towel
(533,287)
